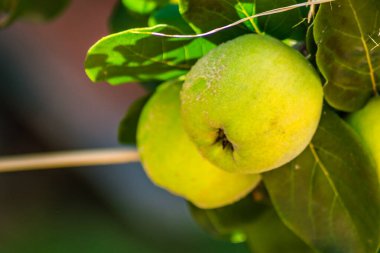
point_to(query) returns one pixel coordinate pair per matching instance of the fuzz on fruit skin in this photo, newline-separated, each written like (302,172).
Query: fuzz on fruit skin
(251,104)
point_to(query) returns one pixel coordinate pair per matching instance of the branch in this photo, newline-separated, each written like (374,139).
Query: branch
(55,160)
(265,13)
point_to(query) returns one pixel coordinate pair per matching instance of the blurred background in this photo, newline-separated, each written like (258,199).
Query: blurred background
(46,104)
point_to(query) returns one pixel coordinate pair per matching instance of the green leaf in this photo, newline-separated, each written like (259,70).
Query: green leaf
(253,220)
(123,19)
(267,234)
(279,25)
(206,15)
(304,10)
(311,47)
(128,125)
(169,15)
(143,6)
(229,222)
(329,195)
(137,55)
(35,10)
(343,30)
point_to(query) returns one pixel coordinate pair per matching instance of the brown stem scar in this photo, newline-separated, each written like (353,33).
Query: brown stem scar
(222,138)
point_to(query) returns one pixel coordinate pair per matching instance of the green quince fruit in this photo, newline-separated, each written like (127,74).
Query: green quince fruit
(366,122)
(251,104)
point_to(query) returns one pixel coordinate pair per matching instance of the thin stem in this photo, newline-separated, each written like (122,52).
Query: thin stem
(265,13)
(55,160)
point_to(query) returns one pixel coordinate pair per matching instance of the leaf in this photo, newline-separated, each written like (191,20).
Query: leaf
(128,125)
(137,55)
(210,222)
(169,15)
(229,222)
(35,10)
(279,25)
(251,220)
(311,47)
(123,19)
(143,6)
(206,15)
(329,195)
(304,10)
(343,30)
(150,86)
(267,234)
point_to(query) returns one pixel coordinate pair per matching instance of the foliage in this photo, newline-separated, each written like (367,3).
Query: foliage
(345,33)
(128,125)
(330,173)
(37,10)
(327,199)
(136,55)
(254,220)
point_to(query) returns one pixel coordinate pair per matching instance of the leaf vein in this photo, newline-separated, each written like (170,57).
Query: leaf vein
(336,59)
(168,63)
(345,33)
(332,185)
(366,49)
(310,202)
(244,11)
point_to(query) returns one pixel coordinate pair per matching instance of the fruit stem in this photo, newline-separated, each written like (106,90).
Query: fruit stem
(56,160)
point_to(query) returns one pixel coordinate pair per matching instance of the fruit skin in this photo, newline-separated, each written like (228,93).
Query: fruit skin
(172,161)
(252,104)
(366,122)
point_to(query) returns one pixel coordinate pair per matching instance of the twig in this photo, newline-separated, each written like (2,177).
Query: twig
(376,43)
(311,13)
(265,13)
(55,160)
